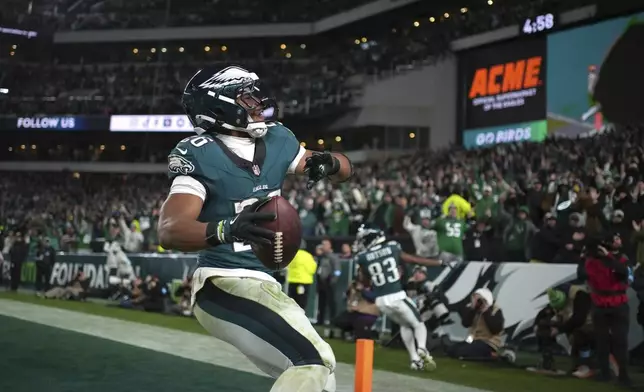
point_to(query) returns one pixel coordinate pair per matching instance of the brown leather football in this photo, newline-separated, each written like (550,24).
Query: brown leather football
(288,234)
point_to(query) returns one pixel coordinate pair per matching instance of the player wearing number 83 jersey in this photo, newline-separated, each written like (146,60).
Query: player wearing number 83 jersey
(379,262)
(220,176)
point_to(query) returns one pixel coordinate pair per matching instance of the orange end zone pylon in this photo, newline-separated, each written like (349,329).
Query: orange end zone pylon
(364,366)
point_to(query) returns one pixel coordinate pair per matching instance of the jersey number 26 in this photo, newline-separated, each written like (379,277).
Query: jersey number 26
(239,206)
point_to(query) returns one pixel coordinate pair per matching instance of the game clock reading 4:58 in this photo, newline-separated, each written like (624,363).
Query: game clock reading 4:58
(539,24)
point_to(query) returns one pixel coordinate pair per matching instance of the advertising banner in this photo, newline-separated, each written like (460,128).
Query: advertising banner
(151,123)
(503,84)
(535,131)
(55,123)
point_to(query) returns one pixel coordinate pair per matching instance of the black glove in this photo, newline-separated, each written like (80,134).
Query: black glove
(320,165)
(242,228)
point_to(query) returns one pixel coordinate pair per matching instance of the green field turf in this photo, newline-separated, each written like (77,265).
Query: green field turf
(37,358)
(490,377)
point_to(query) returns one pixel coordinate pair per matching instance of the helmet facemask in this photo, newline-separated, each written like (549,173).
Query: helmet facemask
(259,110)
(233,99)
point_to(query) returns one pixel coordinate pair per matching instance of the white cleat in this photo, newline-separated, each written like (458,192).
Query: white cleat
(417,365)
(428,360)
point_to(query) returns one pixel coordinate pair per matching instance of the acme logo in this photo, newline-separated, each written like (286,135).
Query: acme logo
(502,78)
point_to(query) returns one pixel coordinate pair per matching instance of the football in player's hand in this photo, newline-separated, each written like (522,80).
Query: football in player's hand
(288,234)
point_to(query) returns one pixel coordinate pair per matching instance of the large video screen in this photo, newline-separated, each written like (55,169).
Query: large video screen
(582,61)
(503,92)
(527,89)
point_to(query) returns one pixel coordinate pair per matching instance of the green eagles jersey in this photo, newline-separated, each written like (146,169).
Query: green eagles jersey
(449,232)
(233,183)
(381,264)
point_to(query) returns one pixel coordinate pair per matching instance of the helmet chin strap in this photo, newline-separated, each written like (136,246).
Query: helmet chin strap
(255,129)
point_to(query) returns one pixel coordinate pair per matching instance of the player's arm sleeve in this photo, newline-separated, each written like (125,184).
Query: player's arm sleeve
(189,185)
(292,150)
(296,160)
(185,171)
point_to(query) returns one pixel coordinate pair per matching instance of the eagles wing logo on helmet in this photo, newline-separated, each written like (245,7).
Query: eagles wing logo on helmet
(228,76)
(180,165)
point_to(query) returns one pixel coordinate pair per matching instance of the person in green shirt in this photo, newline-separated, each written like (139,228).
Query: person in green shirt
(486,205)
(450,230)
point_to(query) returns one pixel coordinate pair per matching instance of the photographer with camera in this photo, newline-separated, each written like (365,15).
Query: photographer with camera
(360,315)
(608,276)
(484,322)
(568,312)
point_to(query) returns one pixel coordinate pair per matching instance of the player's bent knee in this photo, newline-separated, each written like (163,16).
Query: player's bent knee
(306,378)
(330,383)
(326,354)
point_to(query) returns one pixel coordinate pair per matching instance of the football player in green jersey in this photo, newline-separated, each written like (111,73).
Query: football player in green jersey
(379,263)
(220,177)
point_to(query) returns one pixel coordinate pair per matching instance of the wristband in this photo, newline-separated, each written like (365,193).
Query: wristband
(335,166)
(216,232)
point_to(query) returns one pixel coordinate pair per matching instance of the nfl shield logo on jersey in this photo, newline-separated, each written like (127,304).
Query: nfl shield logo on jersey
(256,170)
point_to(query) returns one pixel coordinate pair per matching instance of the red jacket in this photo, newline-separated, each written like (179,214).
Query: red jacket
(608,280)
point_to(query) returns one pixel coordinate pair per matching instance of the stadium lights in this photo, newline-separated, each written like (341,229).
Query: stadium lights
(102,147)
(181,49)
(33,146)
(288,55)
(122,147)
(357,42)
(163,50)
(303,46)
(412,135)
(416,24)
(153,50)
(283,46)
(363,39)
(463,10)
(432,19)
(76,175)
(135,51)
(22,146)
(224,48)
(206,49)
(490,2)
(4,91)
(446,15)
(338,139)
(14,47)
(320,141)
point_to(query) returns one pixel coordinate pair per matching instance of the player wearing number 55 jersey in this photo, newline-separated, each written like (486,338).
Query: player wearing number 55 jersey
(220,177)
(379,262)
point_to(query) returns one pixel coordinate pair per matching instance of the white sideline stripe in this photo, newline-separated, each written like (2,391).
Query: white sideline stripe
(191,346)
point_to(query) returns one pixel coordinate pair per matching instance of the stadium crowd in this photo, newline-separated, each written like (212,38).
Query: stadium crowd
(309,74)
(515,202)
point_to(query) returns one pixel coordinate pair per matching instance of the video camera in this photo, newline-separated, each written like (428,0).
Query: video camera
(433,303)
(593,242)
